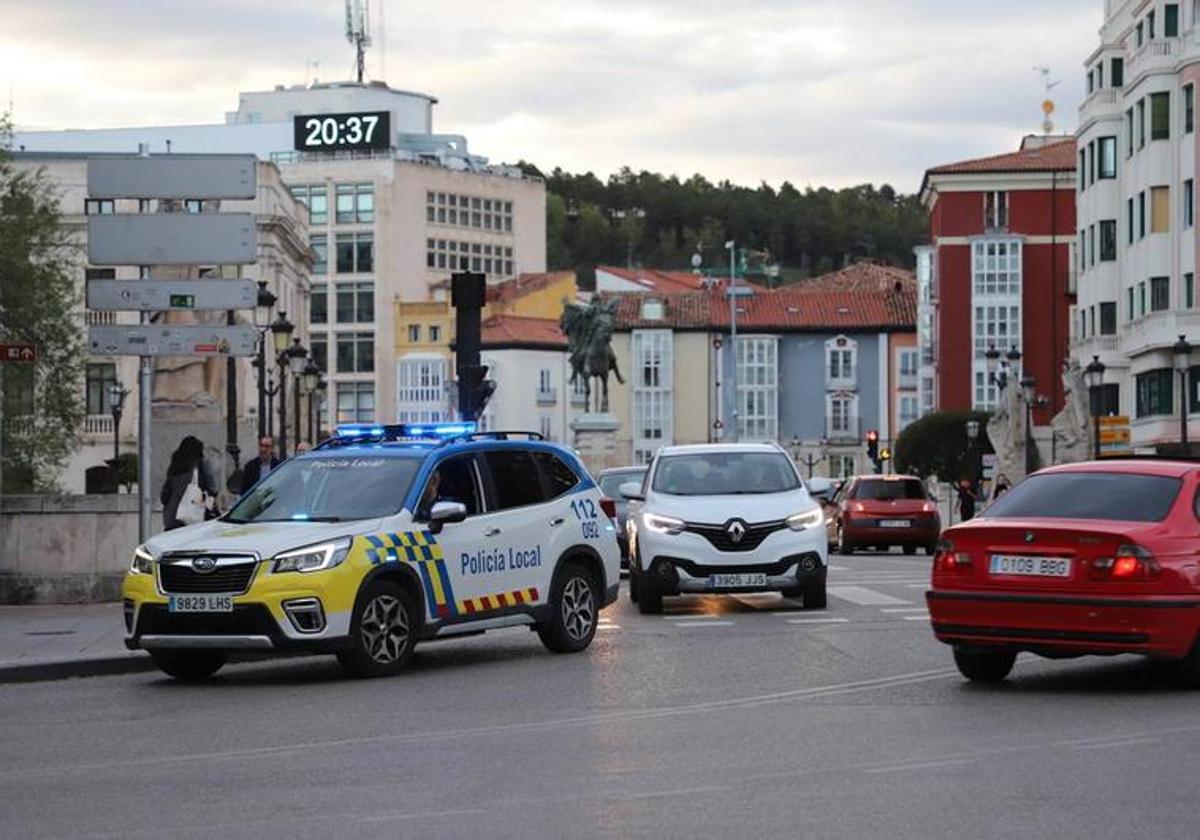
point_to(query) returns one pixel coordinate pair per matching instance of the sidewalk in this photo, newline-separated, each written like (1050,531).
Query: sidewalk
(55,642)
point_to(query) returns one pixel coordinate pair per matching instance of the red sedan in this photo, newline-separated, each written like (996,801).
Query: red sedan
(1094,558)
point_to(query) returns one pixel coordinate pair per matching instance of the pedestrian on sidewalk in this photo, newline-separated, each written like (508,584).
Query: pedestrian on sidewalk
(257,468)
(966,500)
(189,482)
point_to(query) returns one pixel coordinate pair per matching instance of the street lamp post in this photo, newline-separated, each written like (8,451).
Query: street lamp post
(1095,379)
(281,333)
(731,245)
(322,385)
(310,379)
(1183,362)
(262,319)
(973,438)
(297,354)
(116,401)
(1029,389)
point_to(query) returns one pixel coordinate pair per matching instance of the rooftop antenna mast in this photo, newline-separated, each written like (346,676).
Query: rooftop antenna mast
(1047,102)
(358,32)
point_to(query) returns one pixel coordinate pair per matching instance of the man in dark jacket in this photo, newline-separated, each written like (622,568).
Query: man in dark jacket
(258,468)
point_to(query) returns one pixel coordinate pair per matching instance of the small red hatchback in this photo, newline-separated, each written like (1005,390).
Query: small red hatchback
(880,511)
(1094,558)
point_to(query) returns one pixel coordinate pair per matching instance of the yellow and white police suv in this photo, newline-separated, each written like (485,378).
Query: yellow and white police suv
(379,538)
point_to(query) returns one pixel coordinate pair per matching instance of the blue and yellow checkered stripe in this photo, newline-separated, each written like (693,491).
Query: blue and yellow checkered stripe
(420,549)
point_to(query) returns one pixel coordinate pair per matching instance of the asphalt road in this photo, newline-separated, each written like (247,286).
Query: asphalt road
(726,717)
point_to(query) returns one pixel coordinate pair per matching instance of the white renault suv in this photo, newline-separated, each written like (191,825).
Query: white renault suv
(724,518)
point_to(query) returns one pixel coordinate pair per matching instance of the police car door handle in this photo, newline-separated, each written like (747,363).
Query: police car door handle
(558,520)
(491,532)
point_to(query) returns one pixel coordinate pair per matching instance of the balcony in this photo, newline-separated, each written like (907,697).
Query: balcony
(906,381)
(1103,103)
(98,425)
(1157,56)
(547,396)
(1159,331)
(843,431)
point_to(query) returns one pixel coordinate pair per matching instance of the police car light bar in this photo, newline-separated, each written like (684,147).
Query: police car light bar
(403,431)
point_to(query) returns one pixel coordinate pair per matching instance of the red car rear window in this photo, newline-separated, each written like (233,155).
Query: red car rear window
(1123,497)
(883,490)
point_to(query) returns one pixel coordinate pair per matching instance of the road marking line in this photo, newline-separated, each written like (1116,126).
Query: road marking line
(840,568)
(863,597)
(1126,742)
(704,624)
(924,617)
(924,765)
(818,621)
(696,617)
(918,586)
(905,610)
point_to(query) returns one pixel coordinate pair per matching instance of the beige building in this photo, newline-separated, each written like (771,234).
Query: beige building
(284,262)
(386,222)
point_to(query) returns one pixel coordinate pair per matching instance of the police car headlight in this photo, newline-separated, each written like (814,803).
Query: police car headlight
(143,561)
(313,558)
(662,524)
(807,519)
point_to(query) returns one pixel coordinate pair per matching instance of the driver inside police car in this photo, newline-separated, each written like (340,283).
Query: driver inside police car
(430,496)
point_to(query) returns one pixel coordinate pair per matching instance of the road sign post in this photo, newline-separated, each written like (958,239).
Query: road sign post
(106,295)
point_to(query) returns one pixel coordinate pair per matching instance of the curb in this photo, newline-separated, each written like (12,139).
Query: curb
(62,669)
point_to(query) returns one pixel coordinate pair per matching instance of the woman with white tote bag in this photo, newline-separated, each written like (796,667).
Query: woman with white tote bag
(189,490)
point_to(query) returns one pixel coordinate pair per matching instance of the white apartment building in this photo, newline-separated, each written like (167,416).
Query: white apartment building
(1136,250)
(283,262)
(393,208)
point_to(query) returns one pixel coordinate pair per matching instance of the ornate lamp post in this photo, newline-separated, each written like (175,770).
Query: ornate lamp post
(309,381)
(116,401)
(297,355)
(1095,380)
(262,321)
(322,387)
(1029,390)
(973,437)
(1183,363)
(994,368)
(281,333)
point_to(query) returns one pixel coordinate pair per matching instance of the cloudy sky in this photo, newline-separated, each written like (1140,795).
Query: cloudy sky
(816,92)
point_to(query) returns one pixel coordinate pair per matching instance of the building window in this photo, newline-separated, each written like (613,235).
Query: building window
(1142,298)
(1171,20)
(908,363)
(355,303)
(414,333)
(1189,109)
(546,427)
(435,333)
(1118,72)
(318,304)
(1108,157)
(1129,218)
(1139,33)
(758,388)
(1092,245)
(841,416)
(1141,122)
(1083,171)
(841,362)
(320,245)
(1160,116)
(100,376)
(909,411)
(1189,290)
(1129,313)
(1108,240)
(995,210)
(1160,293)
(1129,132)
(1189,203)
(1105,401)
(652,392)
(997,267)
(99,207)
(345,203)
(1108,318)
(318,344)
(364,202)
(355,402)
(1160,210)
(355,352)
(421,389)
(316,198)
(1142,215)
(1155,392)
(355,253)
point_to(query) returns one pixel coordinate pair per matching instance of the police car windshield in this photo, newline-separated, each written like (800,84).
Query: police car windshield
(329,489)
(724,474)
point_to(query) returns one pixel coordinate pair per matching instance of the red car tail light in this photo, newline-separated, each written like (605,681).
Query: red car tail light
(947,561)
(1132,562)
(609,507)
(929,507)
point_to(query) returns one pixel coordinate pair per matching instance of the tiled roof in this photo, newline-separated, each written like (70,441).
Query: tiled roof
(523,285)
(655,280)
(863,277)
(1052,157)
(791,309)
(515,330)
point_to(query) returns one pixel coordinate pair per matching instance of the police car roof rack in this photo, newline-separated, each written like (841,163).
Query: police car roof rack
(500,434)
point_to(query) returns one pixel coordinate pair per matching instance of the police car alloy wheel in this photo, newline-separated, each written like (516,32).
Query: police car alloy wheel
(189,667)
(574,604)
(382,632)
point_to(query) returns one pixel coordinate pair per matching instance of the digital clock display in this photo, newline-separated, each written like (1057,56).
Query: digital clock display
(355,130)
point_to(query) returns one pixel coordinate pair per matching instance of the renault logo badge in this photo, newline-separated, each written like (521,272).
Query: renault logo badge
(736,530)
(204,565)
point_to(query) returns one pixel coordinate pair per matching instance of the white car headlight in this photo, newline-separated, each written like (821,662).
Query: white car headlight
(806,519)
(143,561)
(662,524)
(313,558)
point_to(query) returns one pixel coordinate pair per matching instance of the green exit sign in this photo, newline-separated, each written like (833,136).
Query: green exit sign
(183,301)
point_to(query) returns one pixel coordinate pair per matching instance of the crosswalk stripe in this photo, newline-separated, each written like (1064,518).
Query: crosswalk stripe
(819,621)
(704,624)
(863,597)
(924,617)
(696,617)
(904,610)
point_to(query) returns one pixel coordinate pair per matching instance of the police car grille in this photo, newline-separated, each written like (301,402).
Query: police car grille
(718,535)
(179,577)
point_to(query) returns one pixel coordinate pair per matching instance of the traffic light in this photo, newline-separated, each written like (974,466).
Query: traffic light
(873,449)
(474,390)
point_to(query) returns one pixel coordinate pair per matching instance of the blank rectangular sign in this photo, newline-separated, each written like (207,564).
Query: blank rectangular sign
(172,340)
(172,239)
(107,295)
(172,176)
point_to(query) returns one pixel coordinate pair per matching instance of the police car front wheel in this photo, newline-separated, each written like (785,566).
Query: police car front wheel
(383,632)
(574,609)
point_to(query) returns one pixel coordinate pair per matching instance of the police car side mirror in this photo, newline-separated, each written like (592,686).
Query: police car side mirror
(445,513)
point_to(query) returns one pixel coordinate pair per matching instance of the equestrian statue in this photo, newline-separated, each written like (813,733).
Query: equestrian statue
(589,332)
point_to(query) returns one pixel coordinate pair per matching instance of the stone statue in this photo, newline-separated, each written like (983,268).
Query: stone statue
(1006,431)
(1072,425)
(589,332)
(187,383)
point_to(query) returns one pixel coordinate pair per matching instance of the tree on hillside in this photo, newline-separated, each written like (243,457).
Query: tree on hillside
(43,403)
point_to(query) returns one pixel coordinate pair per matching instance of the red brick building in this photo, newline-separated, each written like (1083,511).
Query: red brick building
(998,272)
